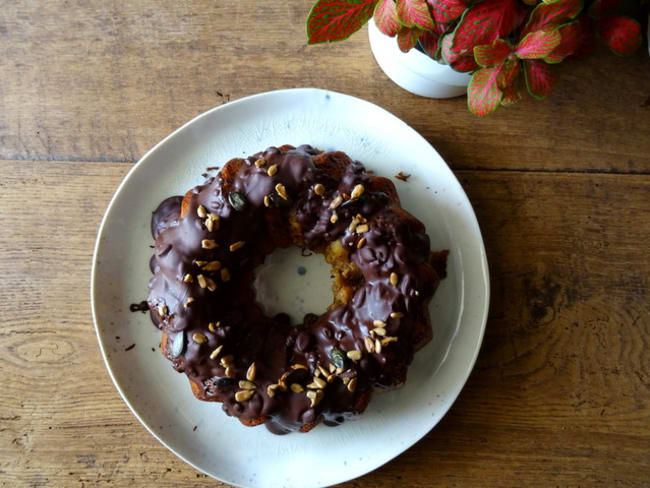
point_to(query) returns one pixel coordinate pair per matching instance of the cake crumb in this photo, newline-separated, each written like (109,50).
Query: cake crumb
(402,176)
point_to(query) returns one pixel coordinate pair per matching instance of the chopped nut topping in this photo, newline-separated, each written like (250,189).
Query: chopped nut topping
(336,202)
(270,390)
(298,366)
(246,385)
(237,245)
(332,368)
(250,373)
(378,323)
(320,382)
(212,266)
(267,201)
(369,343)
(334,218)
(316,372)
(226,360)
(361,243)
(396,315)
(199,338)
(339,370)
(394,279)
(225,275)
(213,327)
(297,388)
(209,224)
(202,282)
(260,162)
(387,340)
(188,301)
(243,395)
(357,191)
(230,372)
(354,355)
(272,170)
(208,244)
(214,354)
(282,191)
(330,378)
(352,385)
(211,284)
(362,228)
(214,217)
(188,278)
(346,380)
(200,264)
(319,189)
(380,331)
(202,212)
(323,370)
(315,397)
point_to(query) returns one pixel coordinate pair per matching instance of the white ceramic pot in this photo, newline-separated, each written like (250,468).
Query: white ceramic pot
(415,71)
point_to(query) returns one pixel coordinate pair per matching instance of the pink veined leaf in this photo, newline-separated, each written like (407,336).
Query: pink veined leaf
(511,95)
(483,94)
(407,37)
(571,38)
(552,14)
(336,20)
(464,64)
(483,23)
(538,44)
(414,13)
(386,17)
(622,34)
(539,78)
(458,62)
(430,39)
(492,54)
(445,11)
(509,73)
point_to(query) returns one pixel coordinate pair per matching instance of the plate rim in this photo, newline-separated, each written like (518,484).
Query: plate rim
(485,273)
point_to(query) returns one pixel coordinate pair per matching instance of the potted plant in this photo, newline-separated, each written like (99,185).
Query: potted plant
(496,47)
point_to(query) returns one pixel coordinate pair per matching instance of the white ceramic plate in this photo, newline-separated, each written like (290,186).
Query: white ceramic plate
(161,398)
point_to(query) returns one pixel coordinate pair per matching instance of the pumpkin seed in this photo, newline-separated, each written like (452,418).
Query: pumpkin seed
(237,201)
(246,385)
(296,388)
(354,355)
(337,357)
(178,345)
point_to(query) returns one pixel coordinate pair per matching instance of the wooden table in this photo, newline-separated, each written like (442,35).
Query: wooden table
(560,395)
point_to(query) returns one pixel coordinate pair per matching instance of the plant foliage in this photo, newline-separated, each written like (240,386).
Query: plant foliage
(504,44)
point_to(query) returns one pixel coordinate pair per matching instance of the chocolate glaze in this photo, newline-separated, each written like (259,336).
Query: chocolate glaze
(395,243)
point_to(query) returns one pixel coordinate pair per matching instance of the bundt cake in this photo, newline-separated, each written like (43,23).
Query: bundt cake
(266,369)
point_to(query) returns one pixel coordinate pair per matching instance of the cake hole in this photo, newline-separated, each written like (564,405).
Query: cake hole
(292,283)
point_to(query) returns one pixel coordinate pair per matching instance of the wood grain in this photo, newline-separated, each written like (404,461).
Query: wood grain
(105,81)
(560,395)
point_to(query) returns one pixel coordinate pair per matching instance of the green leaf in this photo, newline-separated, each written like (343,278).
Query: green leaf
(492,54)
(538,44)
(483,94)
(414,13)
(385,17)
(336,20)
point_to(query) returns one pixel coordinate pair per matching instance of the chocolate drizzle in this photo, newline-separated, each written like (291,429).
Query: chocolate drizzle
(387,309)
